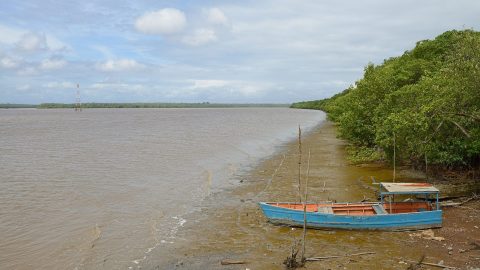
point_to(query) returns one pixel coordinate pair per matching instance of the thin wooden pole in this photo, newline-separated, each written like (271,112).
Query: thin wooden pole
(299,161)
(305,208)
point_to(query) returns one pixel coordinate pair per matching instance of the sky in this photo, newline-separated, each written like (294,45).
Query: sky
(271,51)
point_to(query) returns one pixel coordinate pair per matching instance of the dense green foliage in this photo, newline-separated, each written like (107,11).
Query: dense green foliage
(156,105)
(425,102)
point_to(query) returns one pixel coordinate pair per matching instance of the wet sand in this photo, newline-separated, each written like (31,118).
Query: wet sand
(231,226)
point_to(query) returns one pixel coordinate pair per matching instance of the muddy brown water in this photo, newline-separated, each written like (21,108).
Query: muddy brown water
(104,188)
(231,225)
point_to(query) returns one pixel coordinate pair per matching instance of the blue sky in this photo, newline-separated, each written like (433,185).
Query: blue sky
(276,51)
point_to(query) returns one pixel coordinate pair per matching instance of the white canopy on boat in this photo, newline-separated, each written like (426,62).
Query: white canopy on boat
(409,188)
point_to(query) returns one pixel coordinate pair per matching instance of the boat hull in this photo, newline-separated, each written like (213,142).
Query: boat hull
(317,220)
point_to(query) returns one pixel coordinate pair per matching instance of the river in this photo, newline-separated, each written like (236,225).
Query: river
(103,188)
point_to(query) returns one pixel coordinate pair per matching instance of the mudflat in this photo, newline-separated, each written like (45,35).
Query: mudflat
(231,227)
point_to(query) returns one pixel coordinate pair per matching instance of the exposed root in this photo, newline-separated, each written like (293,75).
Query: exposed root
(417,265)
(291,261)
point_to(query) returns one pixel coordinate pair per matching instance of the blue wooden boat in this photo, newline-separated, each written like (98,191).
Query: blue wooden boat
(382,215)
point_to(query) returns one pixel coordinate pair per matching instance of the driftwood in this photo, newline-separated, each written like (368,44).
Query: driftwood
(449,204)
(457,204)
(474,197)
(433,264)
(228,262)
(314,259)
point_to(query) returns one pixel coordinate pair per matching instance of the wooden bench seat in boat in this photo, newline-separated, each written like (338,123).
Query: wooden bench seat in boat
(325,210)
(379,209)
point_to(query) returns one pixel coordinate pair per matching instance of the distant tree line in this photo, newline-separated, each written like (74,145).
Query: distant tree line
(15,106)
(425,103)
(157,105)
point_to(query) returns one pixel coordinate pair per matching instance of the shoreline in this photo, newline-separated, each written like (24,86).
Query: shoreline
(231,226)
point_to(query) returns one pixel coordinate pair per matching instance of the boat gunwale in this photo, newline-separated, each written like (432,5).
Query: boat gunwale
(329,214)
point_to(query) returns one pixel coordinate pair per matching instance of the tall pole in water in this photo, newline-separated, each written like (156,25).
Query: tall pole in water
(78,104)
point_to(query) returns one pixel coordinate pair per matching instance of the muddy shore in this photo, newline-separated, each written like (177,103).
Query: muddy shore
(231,226)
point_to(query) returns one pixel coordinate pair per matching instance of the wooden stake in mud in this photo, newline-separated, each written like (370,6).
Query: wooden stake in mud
(299,161)
(305,209)
(291,261)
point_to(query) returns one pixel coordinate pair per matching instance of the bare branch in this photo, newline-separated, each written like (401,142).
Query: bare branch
(434,132)
(464,131)
(474,117)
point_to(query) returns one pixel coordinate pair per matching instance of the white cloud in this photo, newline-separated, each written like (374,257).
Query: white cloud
(55,44)
(216,16)
(119,65)
(62,85)
(208,83)
(32,42)
(9,63)
(200,37)
(24,87)
(119,87)
(104,50)
(29,41)
(228,87)
(27,71)
(52,63)
(9,35)
(249,89)
(163,21)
